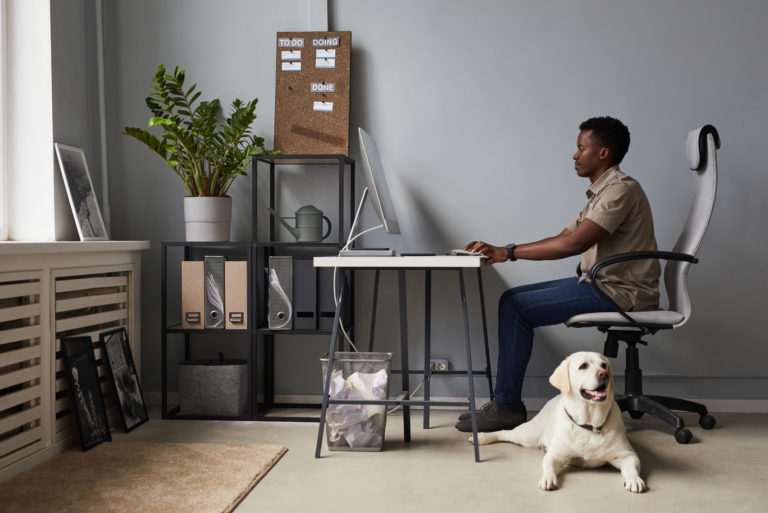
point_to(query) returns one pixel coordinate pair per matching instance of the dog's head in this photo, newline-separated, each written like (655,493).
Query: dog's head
(587,375)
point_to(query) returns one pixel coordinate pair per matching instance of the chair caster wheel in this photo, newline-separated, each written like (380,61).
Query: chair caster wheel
(707,421)
(683,435)
(636,414)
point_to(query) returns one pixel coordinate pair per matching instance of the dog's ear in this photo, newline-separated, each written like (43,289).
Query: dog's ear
(560,379)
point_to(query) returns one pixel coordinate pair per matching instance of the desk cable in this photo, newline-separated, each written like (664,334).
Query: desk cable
(335,294)
(341,324)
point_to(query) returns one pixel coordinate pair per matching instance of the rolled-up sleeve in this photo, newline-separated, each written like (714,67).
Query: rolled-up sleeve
(611,208)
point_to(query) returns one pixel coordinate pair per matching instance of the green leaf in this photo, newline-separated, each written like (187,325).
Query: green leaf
(156,121)
(204,150)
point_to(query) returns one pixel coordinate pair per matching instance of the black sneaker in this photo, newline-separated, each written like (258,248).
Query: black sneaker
(492,416)
(506,407)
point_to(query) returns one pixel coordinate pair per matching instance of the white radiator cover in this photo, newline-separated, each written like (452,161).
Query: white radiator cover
(50,290)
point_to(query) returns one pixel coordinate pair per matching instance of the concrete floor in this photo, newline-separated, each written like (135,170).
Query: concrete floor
(722,470)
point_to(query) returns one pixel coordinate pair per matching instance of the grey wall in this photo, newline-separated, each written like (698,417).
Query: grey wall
(475,108)
(75,96)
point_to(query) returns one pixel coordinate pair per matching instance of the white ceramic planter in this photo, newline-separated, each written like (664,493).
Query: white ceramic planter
(208,219)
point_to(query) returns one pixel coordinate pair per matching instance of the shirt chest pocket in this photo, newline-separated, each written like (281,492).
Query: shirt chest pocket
(584,213)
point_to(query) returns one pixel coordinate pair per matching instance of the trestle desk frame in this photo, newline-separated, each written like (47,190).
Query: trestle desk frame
(401,264)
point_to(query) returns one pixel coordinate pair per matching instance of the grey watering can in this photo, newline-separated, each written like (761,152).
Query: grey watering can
(309,224)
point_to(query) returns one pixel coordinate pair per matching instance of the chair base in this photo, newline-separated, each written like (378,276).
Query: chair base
(661,407)
(636,403)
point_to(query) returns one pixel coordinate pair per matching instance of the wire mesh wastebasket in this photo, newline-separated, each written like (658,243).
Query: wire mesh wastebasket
(357,376)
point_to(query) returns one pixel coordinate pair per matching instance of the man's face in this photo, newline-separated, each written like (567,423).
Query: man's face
(590,159)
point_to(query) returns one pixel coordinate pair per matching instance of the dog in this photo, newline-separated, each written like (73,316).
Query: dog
(581,426)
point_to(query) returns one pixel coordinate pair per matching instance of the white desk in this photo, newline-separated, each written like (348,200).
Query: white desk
(399,262)
(402,264)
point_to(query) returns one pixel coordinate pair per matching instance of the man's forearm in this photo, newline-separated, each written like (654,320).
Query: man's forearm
(551,248)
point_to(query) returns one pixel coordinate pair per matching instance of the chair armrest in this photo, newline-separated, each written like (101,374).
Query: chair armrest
(641,255)
(625,257)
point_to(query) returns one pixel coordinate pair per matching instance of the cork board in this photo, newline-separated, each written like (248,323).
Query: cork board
(312,93)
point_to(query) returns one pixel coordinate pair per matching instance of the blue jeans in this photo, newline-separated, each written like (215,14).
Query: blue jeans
(523,308)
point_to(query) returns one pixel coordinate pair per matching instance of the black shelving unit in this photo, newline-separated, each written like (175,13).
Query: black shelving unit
(173,333)
(256,252)
(271,247)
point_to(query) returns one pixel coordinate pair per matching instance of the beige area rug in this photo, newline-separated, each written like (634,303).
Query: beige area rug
(132,477)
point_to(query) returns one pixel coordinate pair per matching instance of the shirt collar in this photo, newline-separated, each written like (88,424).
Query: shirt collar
(610,174)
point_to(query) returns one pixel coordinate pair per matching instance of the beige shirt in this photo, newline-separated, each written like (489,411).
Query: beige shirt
(618,204)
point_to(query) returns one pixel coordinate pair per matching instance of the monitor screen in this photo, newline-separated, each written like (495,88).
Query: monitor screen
(376,182)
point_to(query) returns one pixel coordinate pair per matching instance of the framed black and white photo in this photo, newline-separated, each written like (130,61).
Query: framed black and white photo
(125,378)
(85,391)
(82,199)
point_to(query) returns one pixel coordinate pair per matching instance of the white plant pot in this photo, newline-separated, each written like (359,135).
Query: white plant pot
(208,218)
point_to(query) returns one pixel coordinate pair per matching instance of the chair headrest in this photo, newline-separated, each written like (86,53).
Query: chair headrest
(696,146)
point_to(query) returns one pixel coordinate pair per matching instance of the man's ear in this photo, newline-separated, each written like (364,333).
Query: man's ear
(605,153)
(560,379)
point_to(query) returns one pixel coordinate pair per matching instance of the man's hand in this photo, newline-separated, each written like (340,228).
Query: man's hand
(495,254)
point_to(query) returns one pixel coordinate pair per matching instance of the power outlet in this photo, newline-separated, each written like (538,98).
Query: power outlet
(438,364)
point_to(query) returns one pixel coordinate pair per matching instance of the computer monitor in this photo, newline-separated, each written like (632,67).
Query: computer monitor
(376,189)
(376,182)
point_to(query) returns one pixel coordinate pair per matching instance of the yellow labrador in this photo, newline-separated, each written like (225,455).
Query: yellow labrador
(581,426)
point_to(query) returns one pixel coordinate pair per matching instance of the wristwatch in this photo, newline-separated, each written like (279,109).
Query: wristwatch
(511,252)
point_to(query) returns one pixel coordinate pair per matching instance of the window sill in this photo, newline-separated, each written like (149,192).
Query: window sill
(26,247)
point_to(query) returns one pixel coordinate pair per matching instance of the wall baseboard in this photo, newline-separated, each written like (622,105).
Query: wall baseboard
(536,403)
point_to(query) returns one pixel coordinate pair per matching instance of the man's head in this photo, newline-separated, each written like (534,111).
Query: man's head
(609,133)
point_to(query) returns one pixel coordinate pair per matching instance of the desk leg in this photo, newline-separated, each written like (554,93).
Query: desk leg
(373,309)
(469,364)
(427,341)
(404,354)
(329,370)
(485,331)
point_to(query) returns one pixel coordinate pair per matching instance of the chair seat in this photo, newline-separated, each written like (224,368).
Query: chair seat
(662,319)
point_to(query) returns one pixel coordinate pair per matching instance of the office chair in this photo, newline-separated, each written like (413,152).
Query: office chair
(631,328)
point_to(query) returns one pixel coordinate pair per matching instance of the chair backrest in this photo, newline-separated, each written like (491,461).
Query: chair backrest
(701,152)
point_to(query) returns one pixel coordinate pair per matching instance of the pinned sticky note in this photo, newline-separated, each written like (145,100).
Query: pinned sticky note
(325,63)
(291,66)
(325,54)
(323,106)
(291,55)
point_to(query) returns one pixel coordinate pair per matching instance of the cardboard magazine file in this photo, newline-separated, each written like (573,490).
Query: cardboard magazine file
(192,294)
(236,295)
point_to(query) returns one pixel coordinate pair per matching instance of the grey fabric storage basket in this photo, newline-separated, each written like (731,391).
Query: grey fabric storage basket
(213,387)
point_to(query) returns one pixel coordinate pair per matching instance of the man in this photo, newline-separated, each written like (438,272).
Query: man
(616,219)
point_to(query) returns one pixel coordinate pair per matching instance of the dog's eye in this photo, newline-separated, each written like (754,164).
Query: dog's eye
(604,366)
(583,366)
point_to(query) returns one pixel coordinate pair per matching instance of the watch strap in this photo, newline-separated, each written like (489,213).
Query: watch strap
(511,252)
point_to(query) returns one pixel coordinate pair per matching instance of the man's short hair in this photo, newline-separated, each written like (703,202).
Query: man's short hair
(610,133)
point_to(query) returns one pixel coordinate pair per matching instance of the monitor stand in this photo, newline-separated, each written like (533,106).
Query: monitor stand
(346,251)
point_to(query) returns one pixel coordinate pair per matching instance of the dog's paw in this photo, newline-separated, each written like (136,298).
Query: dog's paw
(484,438)
(548,482)
(635,485)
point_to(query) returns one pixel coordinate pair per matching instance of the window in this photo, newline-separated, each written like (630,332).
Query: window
(27,180)
(3,184)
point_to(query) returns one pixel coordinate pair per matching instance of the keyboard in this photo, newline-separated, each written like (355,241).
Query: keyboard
(464,252)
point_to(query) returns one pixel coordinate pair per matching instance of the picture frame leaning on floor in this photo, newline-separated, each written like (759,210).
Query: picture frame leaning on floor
(124,378)
(85,391)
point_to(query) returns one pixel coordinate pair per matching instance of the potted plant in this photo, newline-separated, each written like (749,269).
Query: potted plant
(205,154)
